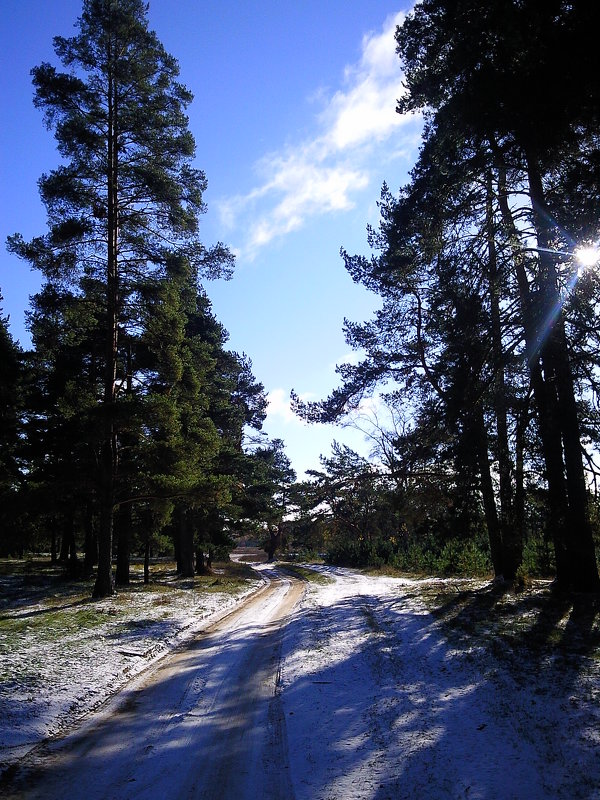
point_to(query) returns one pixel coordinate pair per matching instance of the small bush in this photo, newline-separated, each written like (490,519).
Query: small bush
(464,558)
(538,558)
(454,557)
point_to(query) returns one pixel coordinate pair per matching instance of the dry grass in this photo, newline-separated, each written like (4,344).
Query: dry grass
(304,573)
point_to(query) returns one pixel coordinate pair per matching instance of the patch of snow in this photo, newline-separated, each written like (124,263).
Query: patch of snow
(49,682)
(372,699)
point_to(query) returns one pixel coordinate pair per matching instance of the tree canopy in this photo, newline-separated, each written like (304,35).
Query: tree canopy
(481,330)
(136,412)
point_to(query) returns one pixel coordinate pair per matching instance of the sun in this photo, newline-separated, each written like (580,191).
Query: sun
(587,256)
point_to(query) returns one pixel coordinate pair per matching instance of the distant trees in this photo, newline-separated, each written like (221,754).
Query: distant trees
(135,413)
(267,493)
(11,387)
(487,327)
(353,498)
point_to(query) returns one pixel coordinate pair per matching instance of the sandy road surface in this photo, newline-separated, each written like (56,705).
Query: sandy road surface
(358,694)
(206,724)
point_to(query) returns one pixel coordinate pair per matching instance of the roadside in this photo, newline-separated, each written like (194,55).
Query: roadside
(203,723)
(400,688)
(62,654)
(369,688)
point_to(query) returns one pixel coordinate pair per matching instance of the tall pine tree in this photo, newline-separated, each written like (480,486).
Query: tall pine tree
(126,199)
(521,78)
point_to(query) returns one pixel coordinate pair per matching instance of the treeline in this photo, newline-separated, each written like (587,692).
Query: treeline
(403,508)
(125,426)
(488,335)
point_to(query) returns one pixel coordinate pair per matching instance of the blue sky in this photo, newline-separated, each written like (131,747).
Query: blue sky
(295,124)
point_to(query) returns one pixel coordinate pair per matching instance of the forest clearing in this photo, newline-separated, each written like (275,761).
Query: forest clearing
(370,687)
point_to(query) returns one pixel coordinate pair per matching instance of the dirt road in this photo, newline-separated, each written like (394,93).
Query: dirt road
(206,724)
(360,693)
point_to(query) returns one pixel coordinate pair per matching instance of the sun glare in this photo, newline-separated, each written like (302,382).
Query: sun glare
(587,256)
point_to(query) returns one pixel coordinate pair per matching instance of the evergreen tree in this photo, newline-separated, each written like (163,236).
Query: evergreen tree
(520,78)
(62,429)
(478,296)
(124,203)
(266,492)
(222,393)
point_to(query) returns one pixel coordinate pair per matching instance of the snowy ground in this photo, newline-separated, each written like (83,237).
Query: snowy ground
(381,688)
(380,705)
(62,656)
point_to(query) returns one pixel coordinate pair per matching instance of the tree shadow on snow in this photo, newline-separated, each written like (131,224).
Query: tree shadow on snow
(379,706)
(406,715)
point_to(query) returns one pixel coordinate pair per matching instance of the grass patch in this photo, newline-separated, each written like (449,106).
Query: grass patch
(42,608)
(389,571)
(50,625)
(238,569)
(305,573)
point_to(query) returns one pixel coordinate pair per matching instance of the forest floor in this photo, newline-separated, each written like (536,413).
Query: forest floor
(366,687)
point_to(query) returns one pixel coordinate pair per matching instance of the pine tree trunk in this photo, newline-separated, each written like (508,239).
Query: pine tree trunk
(91,542)
(104,586)
(201,566)
(147,562)
(68,550)
(65,541)
(511,535)
(578,568)
(104,581)
(186,546)
(53,547)
(544,396)
(73,568)
(487,492)
(177,542)
(519,504)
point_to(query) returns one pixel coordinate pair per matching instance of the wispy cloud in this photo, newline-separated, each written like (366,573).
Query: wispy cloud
(324,174)
(365,109)
(278,407)
(353,358)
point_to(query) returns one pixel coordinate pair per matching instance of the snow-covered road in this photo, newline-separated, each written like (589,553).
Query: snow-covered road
(352,693)
(380,706)
(206,724)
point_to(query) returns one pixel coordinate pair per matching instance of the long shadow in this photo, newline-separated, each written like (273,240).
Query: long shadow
(441,723)
(395,713)
(83,601)
(154,745)
(582,631)
(531,623)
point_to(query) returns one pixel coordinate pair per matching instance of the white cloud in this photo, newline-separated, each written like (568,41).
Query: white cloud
(324,174)
(305,187)
(278,407)
(366,109)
